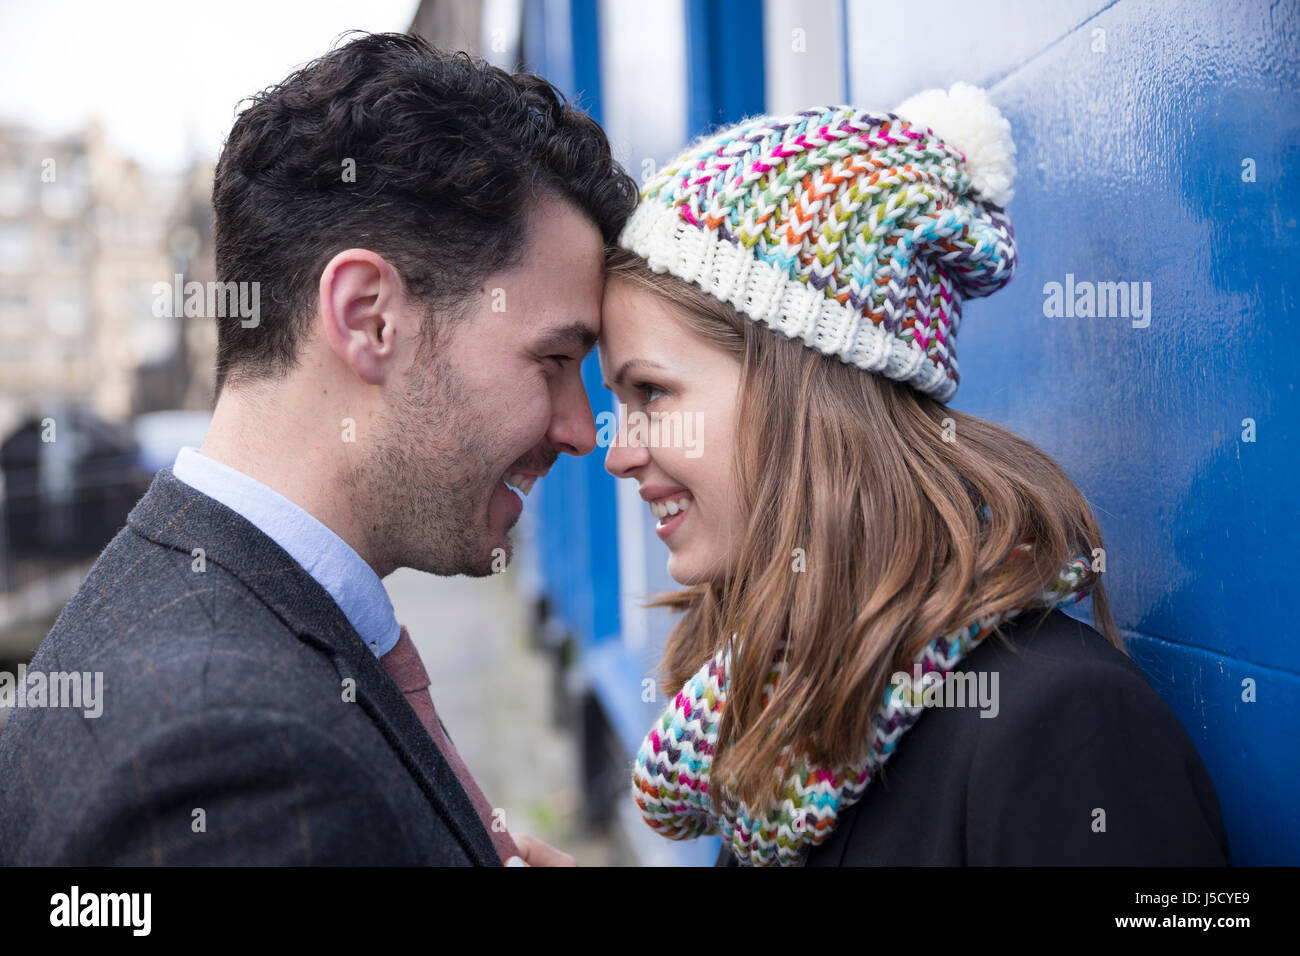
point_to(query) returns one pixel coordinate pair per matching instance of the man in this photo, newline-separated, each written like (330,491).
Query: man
(426,235)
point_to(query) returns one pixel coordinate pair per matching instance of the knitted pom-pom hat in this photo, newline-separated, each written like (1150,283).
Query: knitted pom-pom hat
(859,233)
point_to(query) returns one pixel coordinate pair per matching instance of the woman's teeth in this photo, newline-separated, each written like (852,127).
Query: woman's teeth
(523,482)
(667,507)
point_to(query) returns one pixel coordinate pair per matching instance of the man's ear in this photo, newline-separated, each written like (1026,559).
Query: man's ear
(361,312)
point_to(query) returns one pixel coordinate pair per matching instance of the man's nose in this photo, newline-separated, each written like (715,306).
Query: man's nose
(573,430)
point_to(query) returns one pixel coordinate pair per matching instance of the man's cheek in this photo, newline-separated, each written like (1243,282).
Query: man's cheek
(536,412)
(539,423)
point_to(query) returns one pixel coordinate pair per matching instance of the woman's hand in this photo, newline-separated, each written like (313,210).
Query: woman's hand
(536,853)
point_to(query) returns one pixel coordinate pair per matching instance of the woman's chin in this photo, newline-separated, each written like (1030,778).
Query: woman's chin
(685,572)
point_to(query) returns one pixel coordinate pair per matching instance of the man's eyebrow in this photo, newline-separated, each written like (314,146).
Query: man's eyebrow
(572,336)
(631,364)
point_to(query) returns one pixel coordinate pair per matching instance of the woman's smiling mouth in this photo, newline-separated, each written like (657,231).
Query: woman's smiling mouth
(669,506)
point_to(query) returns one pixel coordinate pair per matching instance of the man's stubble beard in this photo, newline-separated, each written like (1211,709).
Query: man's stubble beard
(420,484)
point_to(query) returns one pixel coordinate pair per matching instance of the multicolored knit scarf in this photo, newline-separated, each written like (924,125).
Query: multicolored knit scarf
(671,776)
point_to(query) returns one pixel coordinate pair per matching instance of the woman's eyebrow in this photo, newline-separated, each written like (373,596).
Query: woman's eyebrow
(631,364)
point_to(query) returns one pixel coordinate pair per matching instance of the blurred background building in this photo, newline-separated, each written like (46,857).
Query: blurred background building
(84,236)
(85,233)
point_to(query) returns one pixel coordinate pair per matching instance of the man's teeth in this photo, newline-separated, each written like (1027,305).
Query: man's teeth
(522,482)
(670,506)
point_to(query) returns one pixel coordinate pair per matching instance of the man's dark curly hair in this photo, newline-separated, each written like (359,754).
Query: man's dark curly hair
(450,155)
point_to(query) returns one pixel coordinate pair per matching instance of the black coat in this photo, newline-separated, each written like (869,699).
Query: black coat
(223,691)
(1078,728)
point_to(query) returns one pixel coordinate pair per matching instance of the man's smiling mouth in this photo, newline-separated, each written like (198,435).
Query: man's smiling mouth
(520,482)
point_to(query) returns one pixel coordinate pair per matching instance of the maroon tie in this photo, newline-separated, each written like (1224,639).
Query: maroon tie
(407,670)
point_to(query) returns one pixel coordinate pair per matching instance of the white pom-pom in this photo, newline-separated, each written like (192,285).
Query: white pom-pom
(963,117)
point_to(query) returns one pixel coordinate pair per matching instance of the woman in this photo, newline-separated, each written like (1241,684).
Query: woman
(791,287)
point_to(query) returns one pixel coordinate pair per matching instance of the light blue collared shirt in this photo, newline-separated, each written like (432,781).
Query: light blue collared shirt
(352,583)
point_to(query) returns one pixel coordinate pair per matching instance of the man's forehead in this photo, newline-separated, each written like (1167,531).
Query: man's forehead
(562,240)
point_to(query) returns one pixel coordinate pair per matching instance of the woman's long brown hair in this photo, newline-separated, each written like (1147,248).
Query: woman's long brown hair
(881,490)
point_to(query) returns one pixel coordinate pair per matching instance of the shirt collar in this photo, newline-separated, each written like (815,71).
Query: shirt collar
(352,583)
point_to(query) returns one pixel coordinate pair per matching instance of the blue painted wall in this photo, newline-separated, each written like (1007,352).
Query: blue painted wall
(1132,128)
(576,549)
(1133,122)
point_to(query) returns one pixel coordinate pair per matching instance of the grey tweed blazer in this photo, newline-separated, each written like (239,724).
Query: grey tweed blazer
(225,736)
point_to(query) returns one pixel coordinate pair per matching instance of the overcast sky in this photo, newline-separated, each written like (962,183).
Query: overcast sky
(164,76)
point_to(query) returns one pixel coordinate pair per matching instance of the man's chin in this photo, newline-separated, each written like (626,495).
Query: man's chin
(497,560)
(493,557)
(475,548)
(491,553)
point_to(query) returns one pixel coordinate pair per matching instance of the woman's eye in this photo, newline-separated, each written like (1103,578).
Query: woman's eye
(649,391)
(560,360)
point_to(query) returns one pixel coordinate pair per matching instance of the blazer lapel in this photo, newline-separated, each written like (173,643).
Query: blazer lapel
(177,516)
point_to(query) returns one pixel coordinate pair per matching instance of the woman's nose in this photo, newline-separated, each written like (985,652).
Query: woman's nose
(622,458)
